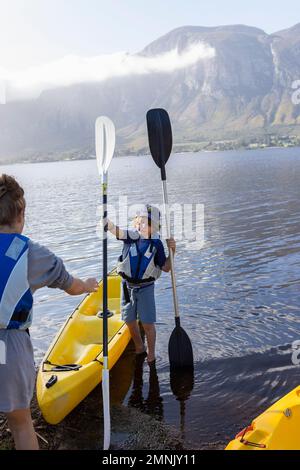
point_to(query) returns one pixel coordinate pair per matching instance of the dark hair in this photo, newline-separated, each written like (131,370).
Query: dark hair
(12,201)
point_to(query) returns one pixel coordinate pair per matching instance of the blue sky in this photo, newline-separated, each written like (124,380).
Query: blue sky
(38,31)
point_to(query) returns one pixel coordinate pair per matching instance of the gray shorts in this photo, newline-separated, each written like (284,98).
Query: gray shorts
(17,375)
(141,304)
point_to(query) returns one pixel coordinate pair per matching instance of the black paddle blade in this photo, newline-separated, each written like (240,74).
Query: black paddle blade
(182,383)
(180,350)
(159,136)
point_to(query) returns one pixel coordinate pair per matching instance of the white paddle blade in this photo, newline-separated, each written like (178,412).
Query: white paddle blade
(106,408)
(105,143)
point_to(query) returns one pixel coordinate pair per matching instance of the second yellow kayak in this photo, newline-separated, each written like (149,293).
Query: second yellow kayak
(275,429)
(72,367)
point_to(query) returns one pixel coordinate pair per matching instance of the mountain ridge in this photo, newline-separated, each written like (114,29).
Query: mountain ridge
(242,93)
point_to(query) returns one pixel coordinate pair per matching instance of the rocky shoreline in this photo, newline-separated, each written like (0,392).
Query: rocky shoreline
(83,429)
(132,428)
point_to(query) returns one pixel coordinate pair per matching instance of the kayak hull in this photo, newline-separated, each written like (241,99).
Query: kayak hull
(275,429)
(72,367)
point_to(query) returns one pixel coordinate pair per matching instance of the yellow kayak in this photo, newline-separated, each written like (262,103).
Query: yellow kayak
(275,429)
(72,367)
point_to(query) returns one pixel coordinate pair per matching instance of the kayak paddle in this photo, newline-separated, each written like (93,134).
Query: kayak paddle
(160,143)
(105,146)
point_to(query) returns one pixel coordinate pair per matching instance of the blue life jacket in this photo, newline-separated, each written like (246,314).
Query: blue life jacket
(16,300)
(137,265)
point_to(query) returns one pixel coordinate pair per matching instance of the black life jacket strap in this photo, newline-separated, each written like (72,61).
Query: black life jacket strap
(126,292)
(137,282)
(21,316)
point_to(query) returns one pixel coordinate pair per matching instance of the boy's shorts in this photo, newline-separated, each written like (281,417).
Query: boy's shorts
(17,371)
(141,304)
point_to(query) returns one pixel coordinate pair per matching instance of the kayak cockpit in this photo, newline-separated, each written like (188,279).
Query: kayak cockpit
(85,327)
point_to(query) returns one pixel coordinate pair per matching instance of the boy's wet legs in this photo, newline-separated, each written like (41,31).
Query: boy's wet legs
(150,332)
(136,336)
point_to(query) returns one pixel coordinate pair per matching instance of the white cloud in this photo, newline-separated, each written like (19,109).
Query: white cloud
(29,83)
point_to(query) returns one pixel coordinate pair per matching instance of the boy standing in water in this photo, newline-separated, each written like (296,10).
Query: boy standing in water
(25,267)
(140,265)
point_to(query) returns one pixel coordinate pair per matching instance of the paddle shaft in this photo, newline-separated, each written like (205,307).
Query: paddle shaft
(168,227)
(105,292)
(167,218)
(105,145)
(105,371)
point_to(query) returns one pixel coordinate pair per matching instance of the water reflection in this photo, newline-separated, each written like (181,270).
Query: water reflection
(182,384)
(145,382)
(153,404)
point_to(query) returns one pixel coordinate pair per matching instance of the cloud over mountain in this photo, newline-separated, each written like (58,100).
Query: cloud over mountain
(70,70)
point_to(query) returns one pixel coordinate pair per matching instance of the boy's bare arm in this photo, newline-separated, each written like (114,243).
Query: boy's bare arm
(115,230)
(79,287)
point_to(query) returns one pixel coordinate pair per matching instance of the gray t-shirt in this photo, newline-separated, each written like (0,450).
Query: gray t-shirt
(17,372)
(45,269)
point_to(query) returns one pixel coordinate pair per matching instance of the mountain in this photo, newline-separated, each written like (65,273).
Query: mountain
(241,93)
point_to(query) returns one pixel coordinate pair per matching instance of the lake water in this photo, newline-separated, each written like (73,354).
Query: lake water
(238,295)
